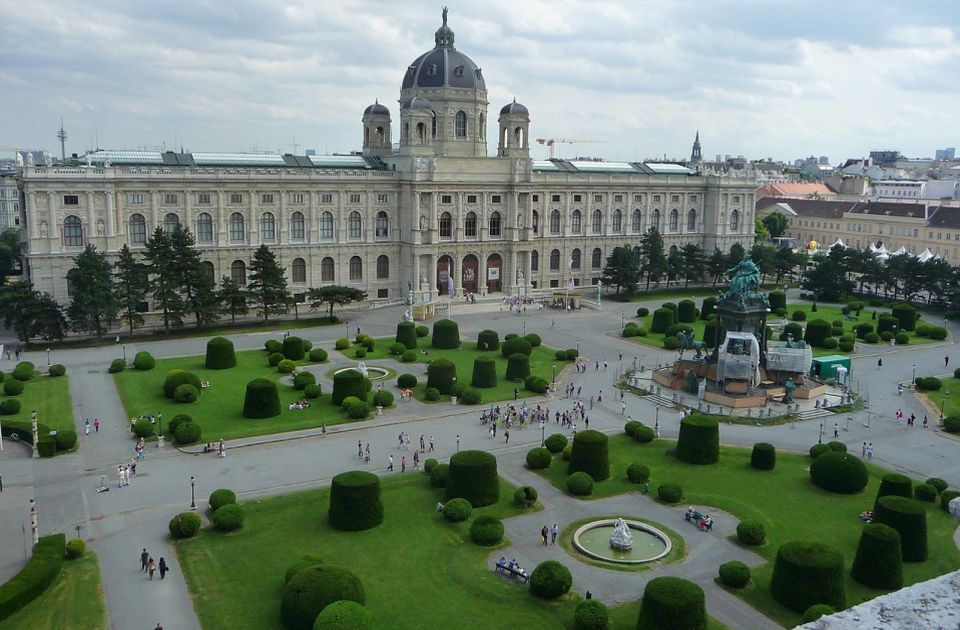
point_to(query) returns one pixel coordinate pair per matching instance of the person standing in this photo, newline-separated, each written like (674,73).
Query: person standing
(151,568)
(359,450)
(431,444)
(506,434)
(163,568)
(403,464)
(879,363)
(863,450)
(144,559)
(421,443)
(390,462)
(870,451)
(544,533)
(554,532)
(946,361)
(96,425)
(836,430)
(416,460)
(86,426)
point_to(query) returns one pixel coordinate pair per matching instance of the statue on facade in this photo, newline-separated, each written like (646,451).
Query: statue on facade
(43,229)
(47,159)
(423,222)
(89,160)
(788,388)
(101,228)
(744,280)
(520,277)
(29,158)
(19,159)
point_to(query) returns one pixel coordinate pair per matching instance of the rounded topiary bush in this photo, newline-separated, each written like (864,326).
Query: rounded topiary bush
(550,580)
(272,346)
(307,346)
(538,458)
(517,345)
(143,428)
(837,446)
(946,497)
(286,366)
(839,472)
(906,316)
(638,473)
(318,355)
(383,398)
(176,378)
(301,380)
(643,434)
(816,332)
(677,328)
(951,424)
(591,614)
(555,442)
(358,410)
(486,530)
(631,426)
(845,346)
(808,573)
(734,573)
(228,518)
(909,518)
(422,331)
(143,360)
(488,340)
(518,367)
(710,333)
(186,394)
(13,388)
(57,370)
(438,475)
(872,337)
(894,484)
(429,464)
(670,492)
(187,433)
(397,349)
(65,439)
(184,525)
(938,484)
(662,319)
(348,383)
(816,611)
(777,299)
(355,501)
(275,358)
(484,372)
(308,560)
(590,454)
(534,339)
(261,399)
(580,484)
(441,375)
(763,456)
(457,510)
(432,394)
(344,615)
(699,440)
(409,356)
(525,496)
(535,384)
(311,590)
(830,343)
(901,339)
(177,420)
(293,348)
(75,548)
(819,449)
(342,343)
(751,533)
(220,354)
(312,391)
(10,407)
(117,365)
(686,311)
(671,343)
(473,476)
(799,316)
(878,563)
(406,381)
(221,497)
(407,334)
(446,334)
(672,603)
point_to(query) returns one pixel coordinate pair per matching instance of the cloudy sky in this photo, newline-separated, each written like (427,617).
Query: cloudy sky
(766,78)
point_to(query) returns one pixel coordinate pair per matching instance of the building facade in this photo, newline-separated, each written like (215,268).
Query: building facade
(9,202)
(433,213)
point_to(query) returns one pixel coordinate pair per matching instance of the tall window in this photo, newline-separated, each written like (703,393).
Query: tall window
(268,227)
(433,125)
(555,260)
(382,225)
(534,260)
(655,220)
(575,258)
(636,221)
(597,221)
(138,229)
(734,220)
(555,222)
(460,125)
(354,225)
(596,260)
(383,267)
(674,220)
(617,221)
(576,222)
(298,270)
(326,226)
(495,224)
(236,227)
(692,221)
(536,222)
(72,231)
(470,224)
(170,222)
(356,268)
(445,227)
(204,228)
(326,269)
(238,272)
(297,226)
(209,271)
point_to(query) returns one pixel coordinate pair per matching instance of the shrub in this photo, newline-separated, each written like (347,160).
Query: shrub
(261,399)
(348,383)
(533,339)
(187,433)
(535,384)
(662,319)
(344,615)
(951,424)
(816,611)
(76,547)
(409,356)
(525,496)
(672,603)
(46,446)
(676,328)
(422,331)
(591,614)
(580,484)
(358,410)
(643,311)
(57,370)
(644,434)
(641,331)
(275,359)
(518,366)
(671,343)
(946,497)
(572,354)
(630,330)
(407,334)
(438,475)
(839,472)
(710,333)
(473,476)
(863,329)
(751,533)
(699,440)
(312,391)
(484,372)
(807,573)
(565,453)
(117,365)
(517,345)
(272,346)
(906,316)
(176,378)
(342,343)
(846,346)
(631,426)
(143,428)
(383,398)
(220,354)
(38,574)
(318,355)
(878,562)
(818,449)
(763,456)
(550,580)
(486,530)
(360,353)
(397,349)
(228,518)
(488,340)
(355,501)
(301,380)
(13,388)
(686,311)
(886,323)
(638,473)
(307,346)
(792,329)
(872,337)
(909,518)
(313,589)
(432,394)
(176,421)
(186,393)
(777,299)
(886,335)
(406,380)
(441,375)
(590,454)
(538,458)
(457,510)
(734,573)
(938,333)
(817,331)
(428,465)
(894,484)
(9,407)
(923,492)
(555,442)
(670,492)
(561,355)
(221,497)
(308,560)
(446,334)
(929,383)
(184,525)
(837,446)
(938,484)
(143,360)
(799,316)
(65,439)
(830,343)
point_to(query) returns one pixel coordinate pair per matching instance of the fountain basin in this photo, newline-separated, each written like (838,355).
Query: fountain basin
(649,543)
(374,373)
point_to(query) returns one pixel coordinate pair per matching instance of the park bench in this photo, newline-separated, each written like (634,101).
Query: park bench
(511,573)
(696,518)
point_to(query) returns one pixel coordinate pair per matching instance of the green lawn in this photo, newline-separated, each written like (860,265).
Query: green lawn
(73,602)
(49,397)
(542,362)
(949,392)
(784,499)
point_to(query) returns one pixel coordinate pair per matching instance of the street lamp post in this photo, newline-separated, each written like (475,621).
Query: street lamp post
(820,438)
(458,442)
(124,346)
(553,373)
(946,394)
(34,528)
(36,434)
(543,428)
(621,320)
(578,348)
(913,379)
(656,422)
(48,356)
(193,496)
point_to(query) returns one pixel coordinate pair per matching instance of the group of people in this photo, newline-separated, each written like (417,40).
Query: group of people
(147,565)
(703,522)
(87,425)
(548,535)
(124,471)
(912,419)
(302,403)
(218,448)
(867,450)
(513,565)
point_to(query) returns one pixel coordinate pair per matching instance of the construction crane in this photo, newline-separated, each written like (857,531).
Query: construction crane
(550,142)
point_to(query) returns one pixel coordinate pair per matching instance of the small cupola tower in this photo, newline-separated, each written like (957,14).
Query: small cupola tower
(696,156)
(514,137)
(418,127)
(376,130)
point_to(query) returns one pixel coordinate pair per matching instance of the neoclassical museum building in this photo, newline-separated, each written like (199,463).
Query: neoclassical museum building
(423,203)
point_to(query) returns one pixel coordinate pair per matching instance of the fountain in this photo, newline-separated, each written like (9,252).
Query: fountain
(368,371)
(621,541)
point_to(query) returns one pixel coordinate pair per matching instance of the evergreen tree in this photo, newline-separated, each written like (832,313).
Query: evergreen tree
(268,283)
(764,256)
(674,265)
(827,279)
(232,299)
(130,287)
(621,270)
(785,260)
(92,300)
(9,252)
(31,313)
(717,265)
(334,295)
(735,255)
(694,263)
(164,281)
(196,286)
(776,224)
(49,320)
(653,260)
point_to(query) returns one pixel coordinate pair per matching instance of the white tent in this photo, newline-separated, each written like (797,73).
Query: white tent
(925,255)
(873,248)
(839,242)
(900,252)
(882,251)
(882,257)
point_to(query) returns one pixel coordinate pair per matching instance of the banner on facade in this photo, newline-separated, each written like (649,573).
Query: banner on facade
(493,273)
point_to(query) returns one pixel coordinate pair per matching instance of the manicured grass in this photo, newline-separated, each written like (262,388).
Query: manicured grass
(418,570)
(949,392)
(49,396)
(73,602)
(219,410)
(783,499)
(625,616)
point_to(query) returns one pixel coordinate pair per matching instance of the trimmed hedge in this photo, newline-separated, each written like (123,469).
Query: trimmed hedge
(221,497)
(946,497)
(438,475)
(275,358)
(710,333)
(534,339)
(894,484)
(383,398)
(286,366)
(550,580)
(407,334)
(699,440)
(13,388)
(117,365)
(777,299)
(799,316)
(228,518)
(318,355)
(525,496)
(535,384)
(348,383)
(488,340)
(473,476)
(220,354)
(143,360)
(422,331)
(643,311)
(638,473)
(734,573)
(293,348)
(457,510)
(929,383)
(539,458)
(591,614)
(518,366)
(312,391)
(184,525)
(819,449)
(672,603)
(817,331)
(938,484)
(816,611)
(355,501)
(670,492)
(65,439)
(909,518)
(441,375)
(76,548)
(406,380)
(344,615)
(186,393)
(261,399)
(878,563)
(686,311)
(313,589)
(272,346)
(580,484)
(792,329)
(751,533)
(446,334)
(839,472)
(187,433)
(143,428)
(176,378)
(763,456)
(517,345)
(10,407)
(56,370)
(486,530)
(432,394)
(951,424)
(301,380)
(484,372)
(590,454)
(808,573)
(342,343)
(24,371)
(662,319)
(308,560)
(555,442)
(906,316)
(36,577)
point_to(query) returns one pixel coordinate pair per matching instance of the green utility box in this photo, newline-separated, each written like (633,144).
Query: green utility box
(825,368)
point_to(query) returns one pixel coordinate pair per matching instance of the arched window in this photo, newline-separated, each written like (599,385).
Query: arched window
(326,269)
(597,221)
(636,255)
(596,260)
(470,224)
(691,221)
(72,231)
(170,222)
(204,228)
(655,220)
(536,222)
(383,267)
(445,225)
(637,223)
(421,132)
(326,226)
(483,127)
(617,221)
(354,226)
(433,125)
(382,225)
(460,124)
(268,227)
(576,221)
(495,224)
(138,228)
(356,268)
(297,226)
(238,272)
(555,222)
(209,271)
(236,227)
(734,220)
(555,260)
(534,260)
(298,270)
(575,258)
(674,220)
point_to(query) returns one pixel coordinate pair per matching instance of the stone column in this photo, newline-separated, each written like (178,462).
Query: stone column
(111,214)
(482,273)
(282,218)
(31,212)
(253,229)
(456,274)
(512,270)
(154,212)
(53,227)
(91,228)
(188,210)
(221,234)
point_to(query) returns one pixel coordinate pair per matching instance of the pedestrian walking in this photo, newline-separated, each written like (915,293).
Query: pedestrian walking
(222,448)
(879,363)
(924,421)
(144,558)
(431,444)
(390,462)
(403,464)
(151,568)
(86,426)
(416,460)
(600,397)
(623,408)
(554,532)
(604,365)
(870,451)
(544,534)
(163,568)
(359,450)
(946,361)
(836,430)
(119,475)
(506,434)
(366,454)
(863,450)
(421,443)
(96,425)
(899,389)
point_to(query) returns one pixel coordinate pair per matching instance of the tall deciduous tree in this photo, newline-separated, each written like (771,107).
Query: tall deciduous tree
(232,299)
(694,263)
(92,299)
(268,283)
(776,224)
(621,270)
(674,265)
(130,287)
(31,313)
(717,265)
(164,282)
(653,259)
(9,252)
(334,295)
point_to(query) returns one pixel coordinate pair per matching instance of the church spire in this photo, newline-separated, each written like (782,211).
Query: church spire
(696,157)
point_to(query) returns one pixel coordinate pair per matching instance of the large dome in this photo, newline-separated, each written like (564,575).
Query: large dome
(444,66)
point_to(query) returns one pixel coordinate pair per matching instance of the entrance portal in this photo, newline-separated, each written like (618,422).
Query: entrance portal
(444,279)
(494,273)
(469,272)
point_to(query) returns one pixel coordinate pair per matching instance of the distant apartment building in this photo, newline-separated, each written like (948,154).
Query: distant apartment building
(9,202)
(949,153)
(932,189)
